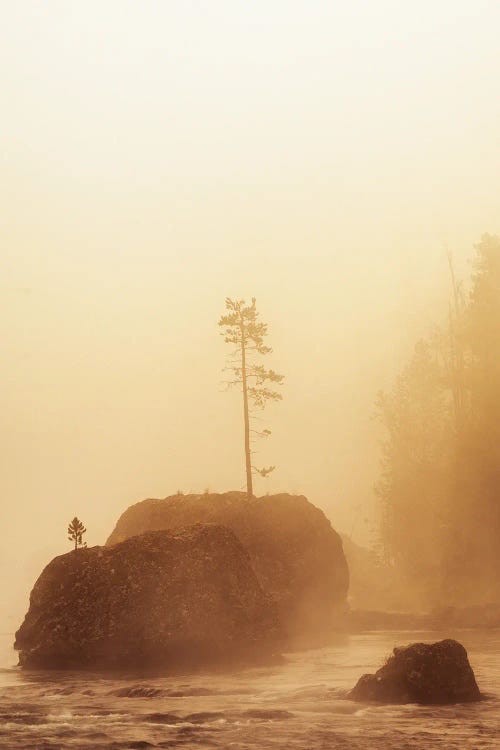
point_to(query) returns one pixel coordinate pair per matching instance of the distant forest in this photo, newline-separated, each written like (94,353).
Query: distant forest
(439,488)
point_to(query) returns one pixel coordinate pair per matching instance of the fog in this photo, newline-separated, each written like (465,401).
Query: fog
(158,157)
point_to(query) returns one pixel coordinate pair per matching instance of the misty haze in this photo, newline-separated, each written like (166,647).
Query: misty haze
(251,415)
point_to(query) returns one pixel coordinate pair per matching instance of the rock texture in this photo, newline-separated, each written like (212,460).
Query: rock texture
(182,597)
(294,551)
(436,673)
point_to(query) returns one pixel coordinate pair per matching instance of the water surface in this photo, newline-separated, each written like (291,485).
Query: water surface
(297,704)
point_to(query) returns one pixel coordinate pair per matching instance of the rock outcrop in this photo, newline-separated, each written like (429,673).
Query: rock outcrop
(436,673)
(171,598)
(294,551)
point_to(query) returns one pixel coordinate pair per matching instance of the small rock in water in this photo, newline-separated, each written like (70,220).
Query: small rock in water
(137,691)
(435,673)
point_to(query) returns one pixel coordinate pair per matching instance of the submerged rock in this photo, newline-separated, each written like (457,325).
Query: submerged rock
(174,598)
(294,551)
(435,673)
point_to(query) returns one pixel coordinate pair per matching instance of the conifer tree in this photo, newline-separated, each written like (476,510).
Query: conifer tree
(76,530)
(243,329)
(439,487)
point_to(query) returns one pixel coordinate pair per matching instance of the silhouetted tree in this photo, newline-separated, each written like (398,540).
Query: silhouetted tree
(476,507)
(243,329)
(76,530)
(440,482)
(454,351)
(413,485)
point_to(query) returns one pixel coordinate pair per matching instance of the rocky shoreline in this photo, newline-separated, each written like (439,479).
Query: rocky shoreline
(482,617)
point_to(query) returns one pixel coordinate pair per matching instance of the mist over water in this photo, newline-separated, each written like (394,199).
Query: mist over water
(328,160)
(158,159)
(297,704)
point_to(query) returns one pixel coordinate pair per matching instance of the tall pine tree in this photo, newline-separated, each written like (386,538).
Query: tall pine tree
(246,333)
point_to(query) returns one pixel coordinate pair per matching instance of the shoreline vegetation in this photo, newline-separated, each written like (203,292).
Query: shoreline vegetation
(439,485)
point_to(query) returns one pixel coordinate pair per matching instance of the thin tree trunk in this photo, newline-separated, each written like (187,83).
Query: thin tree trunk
(248,461)
(457,357)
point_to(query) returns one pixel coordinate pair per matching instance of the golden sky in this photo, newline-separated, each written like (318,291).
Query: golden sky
(159,156)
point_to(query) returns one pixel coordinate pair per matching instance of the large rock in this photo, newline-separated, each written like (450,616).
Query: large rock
(421,673)
(295,553)
(175,598)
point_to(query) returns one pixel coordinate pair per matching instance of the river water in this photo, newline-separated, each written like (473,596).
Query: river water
(299,703)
